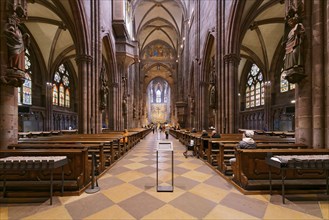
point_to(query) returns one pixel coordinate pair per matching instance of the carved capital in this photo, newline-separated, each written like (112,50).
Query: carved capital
(83,58)
(13,77)
(295,74)
(232,58)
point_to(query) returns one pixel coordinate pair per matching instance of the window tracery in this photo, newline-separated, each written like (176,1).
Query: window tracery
(61,87)
(25,91)
(255,88)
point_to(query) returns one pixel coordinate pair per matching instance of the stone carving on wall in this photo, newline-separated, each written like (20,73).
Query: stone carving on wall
(294,42)
(16,44)
(212,97)
(158,51)
(104,90)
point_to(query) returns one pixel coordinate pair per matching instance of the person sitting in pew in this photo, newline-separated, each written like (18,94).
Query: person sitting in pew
(247,140)
(214,134)
(205,134)
(246,143)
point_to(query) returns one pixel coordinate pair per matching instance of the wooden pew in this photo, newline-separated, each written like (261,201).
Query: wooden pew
(97,149)
(252,173)
(111,148)
(22,183)
(227,151)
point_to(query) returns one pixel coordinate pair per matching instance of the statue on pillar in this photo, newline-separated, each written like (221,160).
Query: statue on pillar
(124,106)
(294,43)
(192,106)
(104,90)
(212,97)
(16,45)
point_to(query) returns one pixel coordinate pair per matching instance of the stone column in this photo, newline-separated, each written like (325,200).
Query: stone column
(8,115)
(84,109)
(230,91)
(303,91)
(318,75)
(49,106)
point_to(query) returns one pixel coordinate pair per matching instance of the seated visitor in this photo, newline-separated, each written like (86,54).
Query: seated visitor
(214,134)
(205,134)
(246,143)
(247,140)
(193,130)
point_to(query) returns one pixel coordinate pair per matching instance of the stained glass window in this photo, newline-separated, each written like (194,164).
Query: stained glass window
(67,98)
(55,95)
(285,86)
(25,91)
(158,96)
(255,88)
(61,95)
(19,97)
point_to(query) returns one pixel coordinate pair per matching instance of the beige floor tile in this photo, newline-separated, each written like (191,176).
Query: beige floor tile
(3,213)
(168,212)
(68,199)
(265,198)
(165,196)
(54,213)
(113,212)
(225,213)
(139,159)
(121,192)
(280,212)
(197,176)
(209,192)
(325,209)
(129,176)
(190,166)
(134,166)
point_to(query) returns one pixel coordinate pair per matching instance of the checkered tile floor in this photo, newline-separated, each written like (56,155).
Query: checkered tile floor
(128,191)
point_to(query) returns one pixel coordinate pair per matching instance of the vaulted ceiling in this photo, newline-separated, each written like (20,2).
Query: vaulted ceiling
(158,20)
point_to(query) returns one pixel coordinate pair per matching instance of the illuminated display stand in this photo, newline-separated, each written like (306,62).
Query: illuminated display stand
(165,147)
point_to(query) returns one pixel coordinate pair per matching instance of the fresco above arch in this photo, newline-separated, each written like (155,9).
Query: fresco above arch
(158,51)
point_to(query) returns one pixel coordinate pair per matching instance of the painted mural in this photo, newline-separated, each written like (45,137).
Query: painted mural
(158,51)
(158,112)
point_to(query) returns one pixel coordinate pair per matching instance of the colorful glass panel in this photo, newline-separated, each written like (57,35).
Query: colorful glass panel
(55,95)
(27,90)
(158,96)
(66,81)
(254,88)
(61,95)
(57,77)
(67,98)
(19,97)
(62,82)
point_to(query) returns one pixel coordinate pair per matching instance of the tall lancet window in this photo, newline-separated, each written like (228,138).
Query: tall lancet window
(61,87)
(25,91)
(255,88)
(285,86)
(158,96)
(151,96)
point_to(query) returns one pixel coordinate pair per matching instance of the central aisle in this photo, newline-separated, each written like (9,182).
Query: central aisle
(128,191)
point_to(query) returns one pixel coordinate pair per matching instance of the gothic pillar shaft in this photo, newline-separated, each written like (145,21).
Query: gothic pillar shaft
(84,109)
(318,75)
(304,118)
(326,76)
(8,115)
(230,91)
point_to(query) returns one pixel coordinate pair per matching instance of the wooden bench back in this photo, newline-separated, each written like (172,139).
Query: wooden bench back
(251,165)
